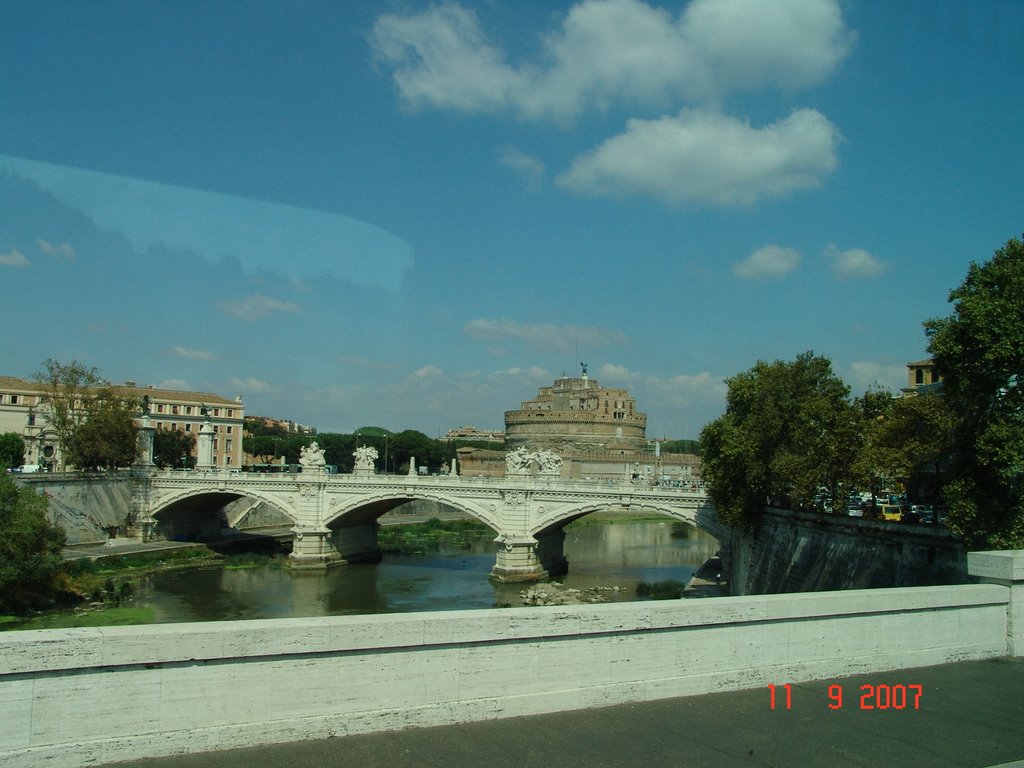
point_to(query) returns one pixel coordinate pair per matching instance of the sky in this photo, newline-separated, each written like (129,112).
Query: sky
(413,214)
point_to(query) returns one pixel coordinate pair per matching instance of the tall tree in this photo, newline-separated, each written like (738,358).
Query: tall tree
(67,393)
(106,439)
(12,450)
(93,422)
(979,353)
(30,549)
(788,432)
(173,448)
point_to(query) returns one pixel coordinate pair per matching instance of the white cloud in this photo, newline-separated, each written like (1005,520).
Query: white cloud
(256,306)
(64,249)
(613,51)
(194,354)
(865,375)
(564,337)
(252,386)
(706,156)
(534,373)
(767,261)
(425,373)
(855,263)
(176,384)
(13,258)
(529,168)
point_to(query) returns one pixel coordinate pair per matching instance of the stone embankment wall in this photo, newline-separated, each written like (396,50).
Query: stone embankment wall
(91,696)
(85,507)
(802,552)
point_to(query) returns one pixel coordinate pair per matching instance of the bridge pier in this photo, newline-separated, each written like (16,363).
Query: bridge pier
(529,558)
(314,549)
(340,546)
(517,560)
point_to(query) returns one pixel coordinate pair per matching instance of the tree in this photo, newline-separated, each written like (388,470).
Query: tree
(106,439)
(909,443)
(30,549)
(93,422)
(12,450)
(789,433)
(170,446)
(67,390)
(979,353)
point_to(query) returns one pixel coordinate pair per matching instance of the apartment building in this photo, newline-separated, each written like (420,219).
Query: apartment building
(23,411)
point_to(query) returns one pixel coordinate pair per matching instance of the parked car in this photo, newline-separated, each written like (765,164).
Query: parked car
(892,512)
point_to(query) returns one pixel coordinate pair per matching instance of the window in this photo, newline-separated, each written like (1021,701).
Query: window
(229,430)
(14,399)
(188,427)
(188,410)
(919,376)
(159,407)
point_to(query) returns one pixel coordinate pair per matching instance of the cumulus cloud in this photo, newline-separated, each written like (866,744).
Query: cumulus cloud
(533,373)
(560,337)
(64,250)
(529,168)
(865,375)
(252,386)
(706,156)
(179,385)
(256,306)
(855,263)
(767,261)
(194,354)
(13,258)
(612,51)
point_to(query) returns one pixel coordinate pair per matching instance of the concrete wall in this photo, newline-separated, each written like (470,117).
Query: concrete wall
(85,506)
(92,696)
(803,552)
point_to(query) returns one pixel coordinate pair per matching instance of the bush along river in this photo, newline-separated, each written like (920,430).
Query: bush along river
(428,566)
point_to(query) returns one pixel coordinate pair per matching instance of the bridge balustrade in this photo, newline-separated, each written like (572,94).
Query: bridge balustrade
(335,515)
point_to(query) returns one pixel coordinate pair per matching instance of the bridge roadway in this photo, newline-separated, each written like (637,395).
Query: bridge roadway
(971,715)
(335,516)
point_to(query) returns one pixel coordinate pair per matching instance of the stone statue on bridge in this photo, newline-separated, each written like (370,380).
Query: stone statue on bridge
(312,457)
(550,463)
(517,462)
(365,456)
(520,461)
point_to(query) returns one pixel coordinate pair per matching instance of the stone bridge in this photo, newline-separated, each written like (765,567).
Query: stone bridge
(334,516)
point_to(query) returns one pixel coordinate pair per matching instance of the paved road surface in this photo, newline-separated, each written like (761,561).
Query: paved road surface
(971,714)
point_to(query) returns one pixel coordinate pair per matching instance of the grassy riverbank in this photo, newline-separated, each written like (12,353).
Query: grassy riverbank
(432,536)
(98,593)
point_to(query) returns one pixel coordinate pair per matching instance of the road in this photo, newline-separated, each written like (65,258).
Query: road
(969,714)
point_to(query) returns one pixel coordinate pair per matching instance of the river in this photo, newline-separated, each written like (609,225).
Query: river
(607,555)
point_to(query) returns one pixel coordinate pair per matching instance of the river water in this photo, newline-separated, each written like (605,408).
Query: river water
(606,555)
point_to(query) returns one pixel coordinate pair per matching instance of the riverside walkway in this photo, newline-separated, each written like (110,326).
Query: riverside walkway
(969,715)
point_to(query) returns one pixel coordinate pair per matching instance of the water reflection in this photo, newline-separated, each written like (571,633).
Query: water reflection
(599,555)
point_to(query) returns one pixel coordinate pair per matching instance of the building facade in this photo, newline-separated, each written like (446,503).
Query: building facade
(24,412)
(597,431)
(577,414)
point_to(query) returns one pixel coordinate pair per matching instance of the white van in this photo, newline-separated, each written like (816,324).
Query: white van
(27,468)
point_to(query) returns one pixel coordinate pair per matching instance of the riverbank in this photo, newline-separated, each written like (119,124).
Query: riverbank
(97,592)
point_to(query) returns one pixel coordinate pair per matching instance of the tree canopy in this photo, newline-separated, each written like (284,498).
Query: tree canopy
(788,434)
(30,549)
(979,353)
(12,450)
(93,422)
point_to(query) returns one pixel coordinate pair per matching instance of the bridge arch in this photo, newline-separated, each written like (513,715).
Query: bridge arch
(193,512)
(372,505)
(699,516)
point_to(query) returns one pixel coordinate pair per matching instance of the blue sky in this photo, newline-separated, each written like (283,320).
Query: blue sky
(412,214)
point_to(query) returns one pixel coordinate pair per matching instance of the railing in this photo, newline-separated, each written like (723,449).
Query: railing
(632,487)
